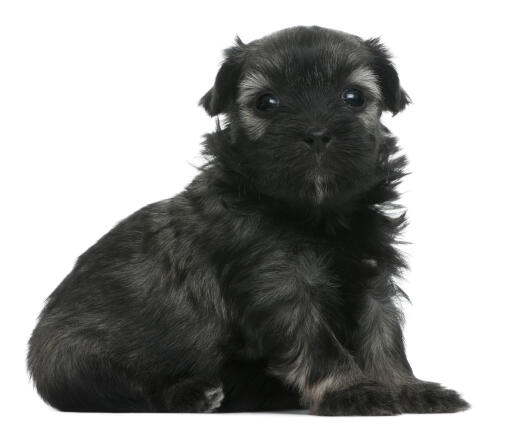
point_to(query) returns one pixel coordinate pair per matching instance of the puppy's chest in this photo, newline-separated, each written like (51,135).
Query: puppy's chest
(287,270)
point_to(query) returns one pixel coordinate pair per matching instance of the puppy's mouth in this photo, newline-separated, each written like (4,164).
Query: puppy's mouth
(317,153)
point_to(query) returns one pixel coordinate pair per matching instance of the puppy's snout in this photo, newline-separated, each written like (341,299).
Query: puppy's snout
(317,139)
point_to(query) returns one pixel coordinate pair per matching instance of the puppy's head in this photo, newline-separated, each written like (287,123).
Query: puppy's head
(303,107)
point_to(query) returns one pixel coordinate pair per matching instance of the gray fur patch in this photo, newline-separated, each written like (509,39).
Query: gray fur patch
(252,84)
(254,126)
(367,79)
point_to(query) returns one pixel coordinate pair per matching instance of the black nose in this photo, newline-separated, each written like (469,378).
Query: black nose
(318,139)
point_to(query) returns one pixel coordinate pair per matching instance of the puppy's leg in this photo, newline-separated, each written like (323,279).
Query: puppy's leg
(82,384)
(381,353)
(379,338)
(73,374)
(311,359)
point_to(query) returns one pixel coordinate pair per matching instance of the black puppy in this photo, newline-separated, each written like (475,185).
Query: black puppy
(269,282)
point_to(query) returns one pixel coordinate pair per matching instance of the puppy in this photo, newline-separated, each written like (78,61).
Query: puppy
(269,282)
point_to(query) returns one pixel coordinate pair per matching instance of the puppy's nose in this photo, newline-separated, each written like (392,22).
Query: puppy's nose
(318,139)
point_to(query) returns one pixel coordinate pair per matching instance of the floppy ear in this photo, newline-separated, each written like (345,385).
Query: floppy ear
(395,98)
(218,99)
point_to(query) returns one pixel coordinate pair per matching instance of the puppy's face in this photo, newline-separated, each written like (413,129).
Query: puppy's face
(304,108)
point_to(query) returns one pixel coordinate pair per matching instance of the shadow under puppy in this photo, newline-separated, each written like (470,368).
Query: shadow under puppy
(269,282)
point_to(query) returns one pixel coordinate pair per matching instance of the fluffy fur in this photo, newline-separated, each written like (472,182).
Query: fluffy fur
(269,283)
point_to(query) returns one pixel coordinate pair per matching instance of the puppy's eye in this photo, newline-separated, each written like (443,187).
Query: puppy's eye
(267,102)
(353,97)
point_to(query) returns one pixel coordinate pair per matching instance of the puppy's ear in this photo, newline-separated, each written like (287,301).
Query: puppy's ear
(395,98)
(218,99)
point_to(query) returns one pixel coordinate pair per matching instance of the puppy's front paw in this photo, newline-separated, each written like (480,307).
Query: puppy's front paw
(364,399)
(429,397)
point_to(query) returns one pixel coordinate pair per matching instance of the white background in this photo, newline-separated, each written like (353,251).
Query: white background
(99,116)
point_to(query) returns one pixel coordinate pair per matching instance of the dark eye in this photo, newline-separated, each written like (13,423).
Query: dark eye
(267,102)
(353,97)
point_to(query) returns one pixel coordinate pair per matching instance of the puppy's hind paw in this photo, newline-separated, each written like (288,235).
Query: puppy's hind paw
(191,396)
(364,399)
(429,397)
(214,397)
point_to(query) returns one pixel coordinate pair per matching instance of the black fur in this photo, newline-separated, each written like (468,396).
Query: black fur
(269,283)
